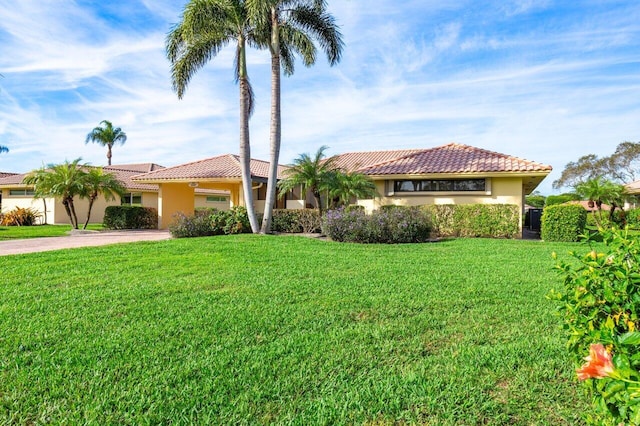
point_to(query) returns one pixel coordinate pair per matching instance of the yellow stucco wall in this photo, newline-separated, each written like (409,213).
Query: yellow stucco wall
(174,198)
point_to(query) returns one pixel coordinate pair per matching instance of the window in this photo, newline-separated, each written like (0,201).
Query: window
(19,192)
(216,198)
(131,199)
(440,185)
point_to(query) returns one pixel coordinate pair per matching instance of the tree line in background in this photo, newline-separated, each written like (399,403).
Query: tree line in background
(598,180)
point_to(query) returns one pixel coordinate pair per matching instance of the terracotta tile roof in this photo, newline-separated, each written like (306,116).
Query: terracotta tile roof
(139,167)
(450,158)
(225,166)
(6,174)
(13,179)
(585,204)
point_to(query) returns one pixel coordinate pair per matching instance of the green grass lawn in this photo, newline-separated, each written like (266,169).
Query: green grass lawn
(20,232)
(285,330)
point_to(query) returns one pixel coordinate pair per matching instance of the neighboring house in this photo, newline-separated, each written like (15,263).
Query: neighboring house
(14,193)
(179,185)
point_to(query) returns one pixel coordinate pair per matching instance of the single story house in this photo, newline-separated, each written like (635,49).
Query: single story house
(447,174)
(13,193)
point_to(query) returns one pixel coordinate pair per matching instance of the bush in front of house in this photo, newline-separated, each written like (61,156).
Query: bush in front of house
(209,222)
(387,226)
(563,222)
(19,217)
(130,217)
(296,221)
(184,226)
(233,221)
(474,220)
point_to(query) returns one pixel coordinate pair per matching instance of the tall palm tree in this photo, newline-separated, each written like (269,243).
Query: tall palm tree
(206,27)
(64,181)
(3,149)
(292,26)
(107,136)
(312,173)
(96,182)
(345,186)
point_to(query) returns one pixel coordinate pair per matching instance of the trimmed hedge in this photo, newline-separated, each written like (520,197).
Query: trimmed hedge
(296,221)
(474,220)
(563,222)
(130,217)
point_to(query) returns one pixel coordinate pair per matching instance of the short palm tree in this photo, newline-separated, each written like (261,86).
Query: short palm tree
(312,173)
(206,27)
(345,186)
(108,136)
(63,181)
(594,190)
(37,179)
(291,27)
(96,182)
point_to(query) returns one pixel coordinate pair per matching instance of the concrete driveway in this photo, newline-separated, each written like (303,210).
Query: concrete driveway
(81,239)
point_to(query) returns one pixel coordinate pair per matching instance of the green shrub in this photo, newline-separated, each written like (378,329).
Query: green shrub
(475,220)
(296,221)
(563,222)
(600,305)
(130,217)
(20,217)
(198,225)
(388,225)
(233,221)
(633,218)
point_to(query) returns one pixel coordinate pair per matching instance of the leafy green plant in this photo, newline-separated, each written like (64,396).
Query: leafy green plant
(130,217)
(20,216)
(563,222)
(600,307)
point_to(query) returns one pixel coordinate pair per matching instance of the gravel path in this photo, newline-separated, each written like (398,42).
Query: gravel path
(80,239)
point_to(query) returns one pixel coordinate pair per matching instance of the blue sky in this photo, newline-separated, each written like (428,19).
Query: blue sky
(543,80)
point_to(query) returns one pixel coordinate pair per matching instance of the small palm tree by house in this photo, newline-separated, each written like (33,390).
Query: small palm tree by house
(63,181)
(37,179)
(312,173)
(97,182)
(207,26)
(345,186)
(108,136)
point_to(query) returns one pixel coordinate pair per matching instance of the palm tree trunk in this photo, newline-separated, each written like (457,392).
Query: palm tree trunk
(276,124)
(109,155)
(67,209)
(92,198)
(44,201)
(245,147)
